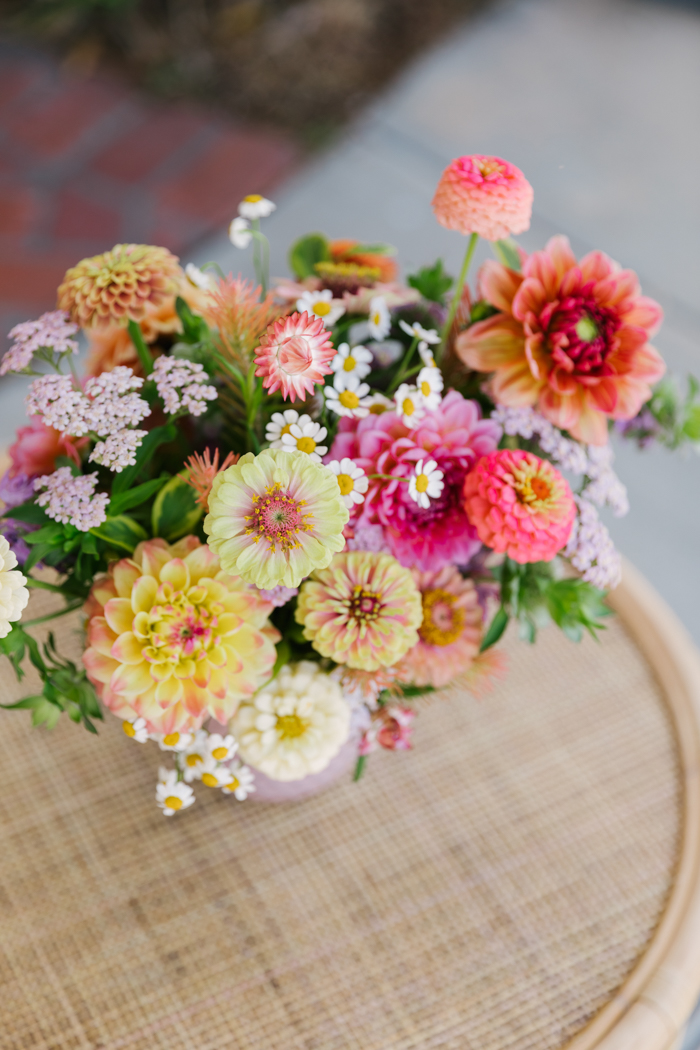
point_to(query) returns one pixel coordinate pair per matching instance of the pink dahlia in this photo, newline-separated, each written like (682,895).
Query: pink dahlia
(484,195)
(455,436)
(520,505)
(294,355)
(450,634)
(571,337)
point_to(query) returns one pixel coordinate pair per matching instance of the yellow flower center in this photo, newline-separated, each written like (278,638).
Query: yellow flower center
(279,519)
(233,784)
(408,407)
(377,409)
(173,802)
(252,198)
(422,482)
(533,489)
(219,753)
(349,363)
(322,308)
(286,429)
(128,729)
(443,621)
(376,318)
(306,444)
(349,399)
(291,726)
(487,167)
(345,484)
(193,760)
(210,780)
(171,739)
(425,388)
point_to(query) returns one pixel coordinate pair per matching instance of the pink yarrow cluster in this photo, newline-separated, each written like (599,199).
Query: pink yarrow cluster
(181,384)
(52,331)
(591,549)
(72,500)
(483,195)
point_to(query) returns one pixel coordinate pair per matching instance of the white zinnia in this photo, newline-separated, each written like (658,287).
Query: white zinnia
(352,481)
(239,233)
(307,438)
(255,207)
(409,405)
(321,304)
(294,725)
(352,401)
(426,483)
(379,317)
(172,794)
(350,364)
(430,384)
(13,593)
(281,424)
(417,331)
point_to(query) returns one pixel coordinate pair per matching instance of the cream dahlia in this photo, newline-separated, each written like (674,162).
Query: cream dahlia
(294,355)
(520,505)
(484,195)
(571,338)
(173,639)
(295,725)
(13,593)
(363,610)
(119,285)
(275,517)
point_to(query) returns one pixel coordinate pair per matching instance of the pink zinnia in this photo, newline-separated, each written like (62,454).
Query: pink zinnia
(293,355)
(484,195)
(520,505)
(455,436)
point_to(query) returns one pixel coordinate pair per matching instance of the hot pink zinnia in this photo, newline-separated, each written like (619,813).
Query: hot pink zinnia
(520,505)
(484,195)
(454,435)
(293,355)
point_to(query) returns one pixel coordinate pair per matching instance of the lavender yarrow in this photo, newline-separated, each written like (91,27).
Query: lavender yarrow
(52,331)
(108,403)
(181,384)
(16,489)
(279,595)
(591,549)
(368,538)
(72,500)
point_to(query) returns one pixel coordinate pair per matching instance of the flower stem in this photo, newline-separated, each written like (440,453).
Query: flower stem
(52,616)
(360,767)
(457,297)
(396,381)
(141,348)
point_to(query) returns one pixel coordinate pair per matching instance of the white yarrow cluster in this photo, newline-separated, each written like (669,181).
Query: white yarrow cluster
(591,550)
(72,500)
(13,593)
(52,331)
(118,450)
(181,384)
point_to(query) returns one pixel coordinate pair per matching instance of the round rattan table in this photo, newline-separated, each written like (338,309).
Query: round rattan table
(528,878)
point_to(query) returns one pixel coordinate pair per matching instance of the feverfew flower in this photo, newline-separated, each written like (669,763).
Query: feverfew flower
(321,304)
(72,500)
(430,384)
(255,207)
(426,355)
(175,741)
(306,438)
(378,404)
(221,748)
(241,784)
(52,331)
(379,321)
(195,756)
(137,730)
(181,384)
(199,278)
(13,593)
(239,233)
(281,424)
(426,483)
(119,450)
(352,481)
(352,401)
(410,406)
(350,364)
(171,794)
(212,774)
(417,331)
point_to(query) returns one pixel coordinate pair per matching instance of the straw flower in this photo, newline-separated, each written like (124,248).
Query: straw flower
(294,355)
(426,483)
(241,782)
(239,233)
(410,406)
(484,195)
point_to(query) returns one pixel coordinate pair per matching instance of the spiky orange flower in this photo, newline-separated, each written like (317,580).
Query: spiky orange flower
(201,471)
(234,308)
(117,286)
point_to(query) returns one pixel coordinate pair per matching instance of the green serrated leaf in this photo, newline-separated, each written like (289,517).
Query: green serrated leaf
(175,510)
(432,282)
(495,630)
(306,252)
(121,532)
(506,251)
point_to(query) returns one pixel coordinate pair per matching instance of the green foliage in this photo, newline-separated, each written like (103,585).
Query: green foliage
(506,251)
(120,532)
(371,249)
(432,282)
(310,249)
(175,510)
(157,437)
(135,497)
(575,606)
(495,629)
(481,310)
(668,417)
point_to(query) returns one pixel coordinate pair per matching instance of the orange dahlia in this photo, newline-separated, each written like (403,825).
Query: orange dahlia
(118,285)
(571,337)
(294,355)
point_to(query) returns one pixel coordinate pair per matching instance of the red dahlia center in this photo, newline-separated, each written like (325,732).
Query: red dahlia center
(581,336)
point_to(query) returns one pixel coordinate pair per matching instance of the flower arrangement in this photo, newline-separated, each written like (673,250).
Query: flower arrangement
(290,510)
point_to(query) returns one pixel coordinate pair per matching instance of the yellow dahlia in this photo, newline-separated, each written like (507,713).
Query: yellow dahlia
(173,639)
(119,285)
(363,611)
(275,517)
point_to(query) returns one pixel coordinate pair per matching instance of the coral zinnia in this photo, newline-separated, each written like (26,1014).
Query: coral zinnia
(363,610)
(520,505)
(117,286)
(173,639)
(571,338)
(276,517)
(450,633)
(294,355)
(484,195)
(454,436)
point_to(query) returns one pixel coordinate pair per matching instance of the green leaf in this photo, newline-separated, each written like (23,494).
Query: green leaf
(144,354)
(481,310)
(31,513)
(284,651)
(306,252)
(506,251)
(175,510)
(432,282)
(575,606)
(121,532)
(371,249)
(43,711)
(126,500)
(194,327)
(157,437)
(409,691)
(496,629)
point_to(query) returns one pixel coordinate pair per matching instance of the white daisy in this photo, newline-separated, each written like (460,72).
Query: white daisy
(281,424)
(379,318)
(136,730)
(430,384)
(199,278)
(194,758)
(213,774)
(426,483)
(221,747)
(352,401)
(350,364)
(172,794)
(255,207)
(241,784)
(426,355)
(379,404)
(306,438)
(352,481)
(321,304)
(417,331)
(175,741)
(239,233)
(409,405)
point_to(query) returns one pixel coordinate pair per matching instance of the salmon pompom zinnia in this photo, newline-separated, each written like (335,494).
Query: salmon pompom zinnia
(484,195)
(174,640)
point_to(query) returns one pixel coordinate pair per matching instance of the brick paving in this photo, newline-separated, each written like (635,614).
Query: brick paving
(88,163)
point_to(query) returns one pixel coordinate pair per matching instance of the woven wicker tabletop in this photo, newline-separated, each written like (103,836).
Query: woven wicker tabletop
(492,890)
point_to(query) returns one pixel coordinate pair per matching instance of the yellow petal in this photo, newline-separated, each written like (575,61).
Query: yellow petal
(125,575)
(119,614)
(143,594)
(169,692)
(176,573)
(127,649)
